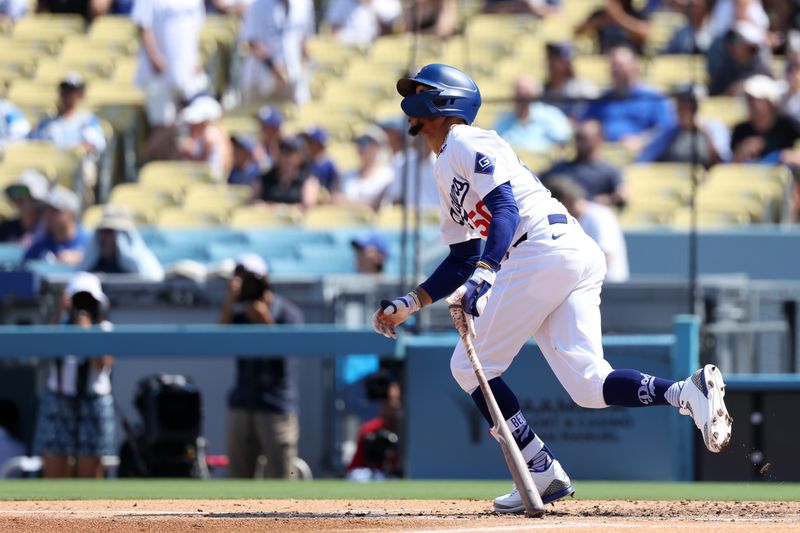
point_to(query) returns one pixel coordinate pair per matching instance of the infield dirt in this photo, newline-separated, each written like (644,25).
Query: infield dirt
(117,516)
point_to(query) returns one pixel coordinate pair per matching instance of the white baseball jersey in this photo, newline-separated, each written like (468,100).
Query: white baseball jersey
(472,163)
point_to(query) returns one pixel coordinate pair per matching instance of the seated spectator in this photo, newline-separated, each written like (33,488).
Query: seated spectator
(620,22)
(599,222)
(244,170)
(630,112)
(601,181)
(359,23)
(13,124)
(28,193)
(741,53)
(537,8)
(695,36)
(10,444)
(532,125)
(63,239)
(432,17)
(789,102)
(290,180)
(372,252)
(88,9)
(13,9)
(76,413)
(275,33)
(562,85)
(378,443)
(409,156)
(200,138)
(322,166)
(117,248)
(677,144)
(768,136)
(170,69)
(270,121)
(368,185)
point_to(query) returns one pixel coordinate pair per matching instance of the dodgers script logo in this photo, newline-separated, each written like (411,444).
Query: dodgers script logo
(484,164)
(458,192)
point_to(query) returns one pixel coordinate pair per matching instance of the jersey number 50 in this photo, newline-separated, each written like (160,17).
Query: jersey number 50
(481,219)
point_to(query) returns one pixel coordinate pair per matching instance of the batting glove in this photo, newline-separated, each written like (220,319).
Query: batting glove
(476,290)
(393,313)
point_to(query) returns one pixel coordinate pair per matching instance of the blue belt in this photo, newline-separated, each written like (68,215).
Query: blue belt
(556,218)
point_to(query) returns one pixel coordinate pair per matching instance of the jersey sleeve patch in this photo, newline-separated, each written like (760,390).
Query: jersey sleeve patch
(484,164)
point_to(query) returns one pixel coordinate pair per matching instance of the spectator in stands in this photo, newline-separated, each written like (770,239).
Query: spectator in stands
(74,128)
(538,8)
(117,248)
(533,126)
(790,98)
(76,413)
(13,124)
(562,85)
(601,180)
(169,68)
(369,183)
(630,112)
(598,221)
(275,32)
(200,137)
(10,444)
(322,166)
(432,17)
(13,9)
(725,14)
(236,8)
(28,193)
(372,252)
(88,9)
(63,239)
(619,22)
(357,22)
(768,136)
(378,444)
(270,121)
(677,144)
(245,169)
(262,407)
(741,53)
(410,156)
(695,36)
(290,180)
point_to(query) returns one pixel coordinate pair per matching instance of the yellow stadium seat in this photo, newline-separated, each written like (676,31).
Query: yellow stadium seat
(663,25)
(640,219)
(223,191)
(240,125)
(179,218)
(133,195)
(7,209)
(391,217)
(328,53)
(65,164)
(345,155)
(730,110)
(49,29)
(594,68)
(665,72)
(751,171)
(33,94)
(264,216)
(52,71)
(708,218)
(337,216)
(185,172)
(112,28)
(537,162)
(142,215)
(109,93)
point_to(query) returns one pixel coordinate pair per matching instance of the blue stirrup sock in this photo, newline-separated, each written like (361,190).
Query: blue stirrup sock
(631,388)
(535,453)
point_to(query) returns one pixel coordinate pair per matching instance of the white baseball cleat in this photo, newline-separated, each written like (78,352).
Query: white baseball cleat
(552,484)
(702,398)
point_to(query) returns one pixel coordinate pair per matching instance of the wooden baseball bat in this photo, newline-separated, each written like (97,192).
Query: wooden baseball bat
(511,452)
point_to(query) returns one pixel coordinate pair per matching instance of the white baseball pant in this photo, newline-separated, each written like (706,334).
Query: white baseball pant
(549,289)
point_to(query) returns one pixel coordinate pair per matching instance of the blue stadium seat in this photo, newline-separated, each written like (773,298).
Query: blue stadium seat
(10,255)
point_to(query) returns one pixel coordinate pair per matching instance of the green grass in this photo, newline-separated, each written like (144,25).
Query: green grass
(338,489)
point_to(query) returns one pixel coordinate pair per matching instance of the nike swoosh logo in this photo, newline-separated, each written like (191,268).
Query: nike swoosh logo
(558,236)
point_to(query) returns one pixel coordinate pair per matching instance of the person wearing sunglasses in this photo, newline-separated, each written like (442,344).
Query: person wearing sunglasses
(27,193)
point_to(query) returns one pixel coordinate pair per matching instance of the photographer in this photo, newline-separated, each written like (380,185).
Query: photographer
(262,407)
(379,444)
(76,413)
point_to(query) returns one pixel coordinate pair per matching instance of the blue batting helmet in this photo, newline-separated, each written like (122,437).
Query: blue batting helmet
(451,94)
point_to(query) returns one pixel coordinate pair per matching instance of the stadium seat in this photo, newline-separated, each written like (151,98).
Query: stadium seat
(134,196)
(708,219)
(663,25)
(730,110)
(632,218)
(34,154)
(51,71)
(47,28)
(185,172)
(263,216)
(391,217)
(666,72)
(337,216)
(594,68)
(112,28)
(33,94)
(179,218)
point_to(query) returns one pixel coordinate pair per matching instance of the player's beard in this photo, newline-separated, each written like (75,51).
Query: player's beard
(415,129)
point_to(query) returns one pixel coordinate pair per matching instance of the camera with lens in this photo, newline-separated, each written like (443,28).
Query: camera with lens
(84,301)
(253,286)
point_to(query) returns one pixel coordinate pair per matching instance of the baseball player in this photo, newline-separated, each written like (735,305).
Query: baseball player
(538,275)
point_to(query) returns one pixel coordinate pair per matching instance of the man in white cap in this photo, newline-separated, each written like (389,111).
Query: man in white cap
(201,139)
(117,248)
(262,407)
(740,53)
(76,414)
(28,193)
(63,239)
(767,136)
